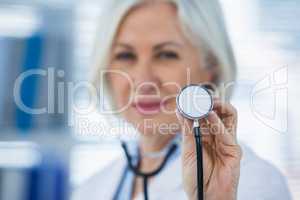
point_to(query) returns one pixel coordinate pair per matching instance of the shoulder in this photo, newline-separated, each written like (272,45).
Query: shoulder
(259,179)
(102,184)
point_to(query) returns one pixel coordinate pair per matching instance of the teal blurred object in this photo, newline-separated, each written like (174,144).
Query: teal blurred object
(40,174)
(3,63)
(47,46)
(30,87)
(47,180)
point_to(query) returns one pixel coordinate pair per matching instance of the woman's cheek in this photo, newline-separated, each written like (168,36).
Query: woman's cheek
(121,90)
(123,95)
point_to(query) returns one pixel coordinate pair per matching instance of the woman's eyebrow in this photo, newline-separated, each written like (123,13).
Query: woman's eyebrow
(123,45)
(156,47)
(169,43)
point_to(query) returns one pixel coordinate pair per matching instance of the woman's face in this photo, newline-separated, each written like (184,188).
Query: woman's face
(151,60)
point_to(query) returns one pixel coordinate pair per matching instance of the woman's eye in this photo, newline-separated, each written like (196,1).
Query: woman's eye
(125,56)
(167,55)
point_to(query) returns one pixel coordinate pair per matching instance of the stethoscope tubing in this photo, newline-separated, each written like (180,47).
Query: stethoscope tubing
(198,141)
(137,172)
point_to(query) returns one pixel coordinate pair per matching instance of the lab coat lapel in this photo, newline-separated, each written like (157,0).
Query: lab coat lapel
(115,174)
(102,185)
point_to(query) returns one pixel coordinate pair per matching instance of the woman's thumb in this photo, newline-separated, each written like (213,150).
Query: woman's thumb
(186,127)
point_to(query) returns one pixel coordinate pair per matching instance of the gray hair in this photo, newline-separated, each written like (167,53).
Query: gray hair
(202,22)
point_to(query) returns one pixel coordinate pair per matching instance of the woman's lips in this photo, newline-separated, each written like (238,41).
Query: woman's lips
(148,106)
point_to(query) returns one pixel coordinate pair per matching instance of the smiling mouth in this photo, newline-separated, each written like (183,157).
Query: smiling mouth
(147,107)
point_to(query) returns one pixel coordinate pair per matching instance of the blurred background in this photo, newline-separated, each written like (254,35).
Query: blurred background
(56,147)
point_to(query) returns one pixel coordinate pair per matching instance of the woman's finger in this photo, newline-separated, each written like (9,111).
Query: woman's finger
(218,129)
(228,115)
(186,125)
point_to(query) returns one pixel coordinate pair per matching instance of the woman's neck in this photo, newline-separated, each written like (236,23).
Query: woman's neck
(150,144)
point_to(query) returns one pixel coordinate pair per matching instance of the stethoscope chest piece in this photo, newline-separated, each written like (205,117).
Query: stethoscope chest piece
(194,101)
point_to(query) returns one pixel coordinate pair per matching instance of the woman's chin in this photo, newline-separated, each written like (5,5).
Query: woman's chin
(154,122)
(157,126)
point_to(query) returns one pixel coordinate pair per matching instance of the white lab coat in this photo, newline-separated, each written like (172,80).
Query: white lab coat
(259,180)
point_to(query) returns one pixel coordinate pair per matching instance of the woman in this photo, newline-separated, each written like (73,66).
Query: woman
(152,50)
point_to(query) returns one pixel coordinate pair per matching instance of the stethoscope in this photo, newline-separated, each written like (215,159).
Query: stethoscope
(193,102)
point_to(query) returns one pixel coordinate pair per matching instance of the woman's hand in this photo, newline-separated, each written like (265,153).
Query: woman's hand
(221,154)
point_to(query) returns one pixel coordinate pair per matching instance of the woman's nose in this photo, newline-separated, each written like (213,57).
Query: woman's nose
(145,79)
